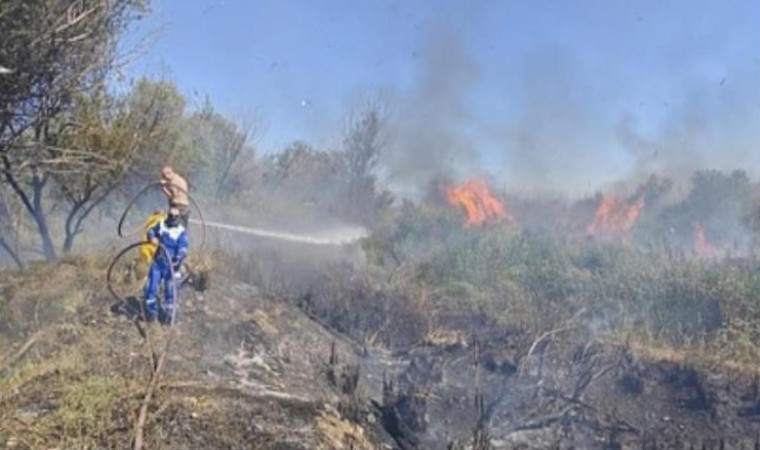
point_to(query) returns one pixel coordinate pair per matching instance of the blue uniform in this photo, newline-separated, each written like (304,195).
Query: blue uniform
(172,250)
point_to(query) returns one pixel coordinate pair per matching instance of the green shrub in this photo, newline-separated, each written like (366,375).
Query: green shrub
(541,281)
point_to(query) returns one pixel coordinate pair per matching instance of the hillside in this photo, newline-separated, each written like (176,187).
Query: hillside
(246,371)
(242,372)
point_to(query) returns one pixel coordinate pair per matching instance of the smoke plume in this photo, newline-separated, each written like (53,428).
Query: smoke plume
(558,142)
(571,129)
(429,128)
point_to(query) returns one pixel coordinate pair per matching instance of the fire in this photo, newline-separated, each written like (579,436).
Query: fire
(615,218)
(479,205)
(703,247)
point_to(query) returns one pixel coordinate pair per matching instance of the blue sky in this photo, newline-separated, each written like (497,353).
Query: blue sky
(539,91)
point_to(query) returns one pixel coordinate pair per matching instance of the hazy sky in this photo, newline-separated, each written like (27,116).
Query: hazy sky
(560,94)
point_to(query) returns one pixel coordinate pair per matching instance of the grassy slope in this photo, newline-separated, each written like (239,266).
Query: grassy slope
(243,371)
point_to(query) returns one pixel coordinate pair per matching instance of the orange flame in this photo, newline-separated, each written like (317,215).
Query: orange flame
(702,246)
(479,205)
(614,218)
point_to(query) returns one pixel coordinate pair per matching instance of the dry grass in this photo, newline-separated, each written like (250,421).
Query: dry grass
(71,395)
(262,319)
(49,293)
(78,383)
(707,358)
(445,338)
(338,433)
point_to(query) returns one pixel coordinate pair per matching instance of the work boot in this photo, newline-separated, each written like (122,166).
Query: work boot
(151,309)
(167,318)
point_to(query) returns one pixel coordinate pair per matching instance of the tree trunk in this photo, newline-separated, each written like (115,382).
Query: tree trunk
(80,211)
(34,208)
(68,242)
(47,242)
(12,253)
(70,229)
(39,217)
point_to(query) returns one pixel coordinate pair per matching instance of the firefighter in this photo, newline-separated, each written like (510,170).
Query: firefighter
(176,190)
(170,237)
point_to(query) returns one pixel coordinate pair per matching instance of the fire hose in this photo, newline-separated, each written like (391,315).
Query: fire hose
(158,363)
(130,247)
(140,193)
(124,251)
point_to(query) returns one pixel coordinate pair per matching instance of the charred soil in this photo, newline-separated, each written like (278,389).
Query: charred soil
(248,371)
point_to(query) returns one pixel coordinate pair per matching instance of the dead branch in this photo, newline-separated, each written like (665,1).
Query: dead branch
(143,415)
(585,382)
(539,340)
(21,352)
(544,421)
(72,19)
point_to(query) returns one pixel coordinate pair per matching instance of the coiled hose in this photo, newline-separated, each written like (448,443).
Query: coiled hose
(130,247)
(140,193)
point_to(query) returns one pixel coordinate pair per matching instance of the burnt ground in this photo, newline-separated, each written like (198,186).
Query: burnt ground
(576,394)
(243,371)
(246,371)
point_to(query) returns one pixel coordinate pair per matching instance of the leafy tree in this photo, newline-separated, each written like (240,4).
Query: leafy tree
(305,177)
(224,157)
(157,110)
(363,142)
(58,52)
(342,183)
(105,139)
(717,201)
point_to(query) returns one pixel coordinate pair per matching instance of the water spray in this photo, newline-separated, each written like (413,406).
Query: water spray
(334,237)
